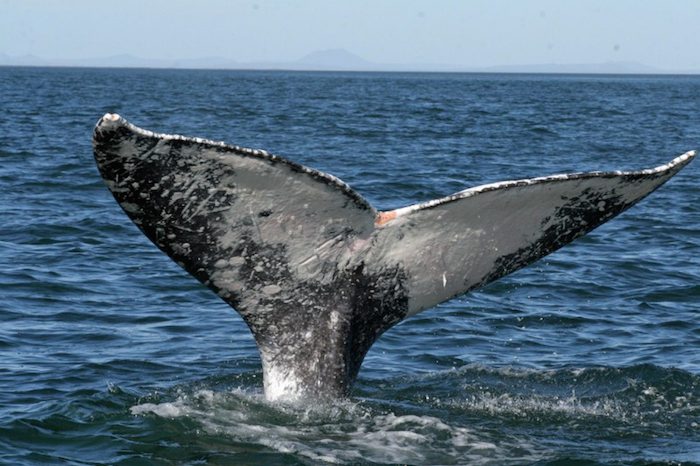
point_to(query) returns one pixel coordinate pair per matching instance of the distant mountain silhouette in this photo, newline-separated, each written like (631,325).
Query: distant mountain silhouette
(338,59)
(333,60)
(579,68)
(24,60)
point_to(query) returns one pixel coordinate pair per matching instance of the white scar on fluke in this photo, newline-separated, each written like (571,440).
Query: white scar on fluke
(314,270)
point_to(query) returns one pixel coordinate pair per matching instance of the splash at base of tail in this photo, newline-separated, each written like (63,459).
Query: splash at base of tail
(314,270)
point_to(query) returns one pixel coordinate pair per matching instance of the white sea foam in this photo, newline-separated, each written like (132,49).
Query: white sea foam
(529,406)
(168,410)
(342,433)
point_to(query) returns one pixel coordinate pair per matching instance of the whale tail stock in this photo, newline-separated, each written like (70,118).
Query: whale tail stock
(314,270)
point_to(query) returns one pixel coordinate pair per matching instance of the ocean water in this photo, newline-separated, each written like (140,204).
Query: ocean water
(111,354)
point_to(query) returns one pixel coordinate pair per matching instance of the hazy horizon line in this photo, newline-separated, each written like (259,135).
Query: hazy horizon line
(332,60)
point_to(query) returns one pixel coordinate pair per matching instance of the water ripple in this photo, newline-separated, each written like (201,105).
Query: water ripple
(111,354)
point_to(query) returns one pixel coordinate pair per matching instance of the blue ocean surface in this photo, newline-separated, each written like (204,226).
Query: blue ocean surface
(112,354)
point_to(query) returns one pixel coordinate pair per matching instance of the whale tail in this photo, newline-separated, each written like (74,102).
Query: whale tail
(314,270)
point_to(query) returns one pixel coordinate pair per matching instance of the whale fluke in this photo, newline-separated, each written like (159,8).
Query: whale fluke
(314,270)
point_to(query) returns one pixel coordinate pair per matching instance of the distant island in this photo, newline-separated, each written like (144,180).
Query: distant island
(334,60)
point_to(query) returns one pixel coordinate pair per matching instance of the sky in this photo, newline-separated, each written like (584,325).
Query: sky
(470,33)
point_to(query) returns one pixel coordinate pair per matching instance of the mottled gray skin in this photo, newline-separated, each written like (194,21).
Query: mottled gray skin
(318,274)
(319,323)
